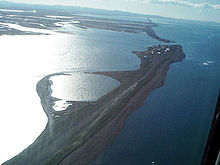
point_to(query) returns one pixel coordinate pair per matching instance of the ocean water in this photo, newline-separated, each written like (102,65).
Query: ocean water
(26,59)
(172,126)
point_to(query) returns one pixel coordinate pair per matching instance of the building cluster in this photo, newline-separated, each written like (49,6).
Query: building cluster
(158,50)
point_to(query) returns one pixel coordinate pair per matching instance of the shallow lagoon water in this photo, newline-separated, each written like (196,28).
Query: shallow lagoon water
(174,130)
(80,87)
(25,59)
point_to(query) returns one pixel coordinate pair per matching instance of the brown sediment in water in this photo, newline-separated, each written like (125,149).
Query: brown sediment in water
(78,134)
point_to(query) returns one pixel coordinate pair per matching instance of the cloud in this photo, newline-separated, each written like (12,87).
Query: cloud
(183,3)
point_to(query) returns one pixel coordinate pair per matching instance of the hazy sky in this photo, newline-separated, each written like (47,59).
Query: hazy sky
(208,10)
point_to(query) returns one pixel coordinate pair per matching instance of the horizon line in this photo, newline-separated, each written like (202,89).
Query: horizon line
(113,10)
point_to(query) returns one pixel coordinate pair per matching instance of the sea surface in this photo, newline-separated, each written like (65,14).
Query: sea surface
(26,59)
(171,127)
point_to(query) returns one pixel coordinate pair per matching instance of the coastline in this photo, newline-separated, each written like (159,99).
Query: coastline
(76,132)
(97,143)
(72,133)
(171,124)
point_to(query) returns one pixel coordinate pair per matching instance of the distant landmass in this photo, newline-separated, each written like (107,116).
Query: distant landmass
(80,132)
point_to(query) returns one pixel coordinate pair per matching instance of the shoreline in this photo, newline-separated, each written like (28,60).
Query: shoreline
(88,127)
(97,143)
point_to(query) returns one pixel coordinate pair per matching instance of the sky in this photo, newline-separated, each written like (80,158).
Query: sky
(204,10)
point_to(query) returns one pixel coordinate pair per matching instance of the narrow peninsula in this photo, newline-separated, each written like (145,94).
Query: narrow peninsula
(77,134)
